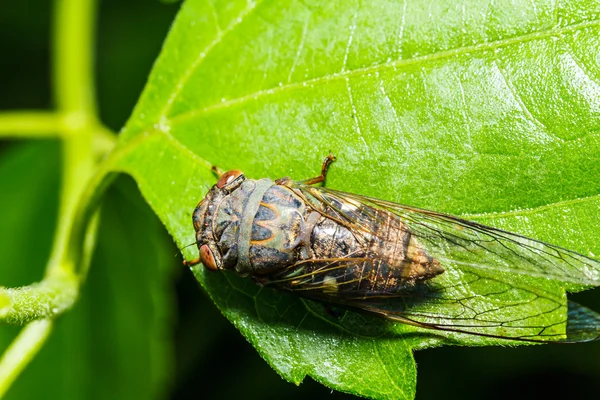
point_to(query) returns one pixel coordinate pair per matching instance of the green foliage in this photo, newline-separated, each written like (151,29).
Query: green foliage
(488,110)
(462,109)
(115,341)
(110,319)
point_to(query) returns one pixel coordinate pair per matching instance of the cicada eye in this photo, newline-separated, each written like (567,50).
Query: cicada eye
(228,177)
(207,258)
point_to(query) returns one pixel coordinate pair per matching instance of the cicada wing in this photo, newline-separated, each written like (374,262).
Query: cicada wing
(491,284)
(461,243)
(330,276)
(582,324)
(473,303)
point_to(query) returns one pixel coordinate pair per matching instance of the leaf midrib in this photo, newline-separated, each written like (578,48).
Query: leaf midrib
(480,47)
(530,211)
(491,215)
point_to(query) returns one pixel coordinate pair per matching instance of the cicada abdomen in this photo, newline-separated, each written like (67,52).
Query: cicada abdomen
(391,260)
(355,254)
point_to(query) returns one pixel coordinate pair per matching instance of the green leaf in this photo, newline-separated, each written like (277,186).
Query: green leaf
(114,343)
(474,108)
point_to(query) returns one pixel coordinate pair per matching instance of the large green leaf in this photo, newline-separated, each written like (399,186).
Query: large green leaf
(466,108)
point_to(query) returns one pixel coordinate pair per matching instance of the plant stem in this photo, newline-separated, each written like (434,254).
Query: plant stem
(21,351)
(45,299)
(74,23)
(19,124)
(76,116)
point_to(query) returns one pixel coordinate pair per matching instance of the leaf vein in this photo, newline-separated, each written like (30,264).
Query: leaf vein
(355,115)
(180,146)
(215,17)
(495,215)
(401,30)
(480,47)
(349,43)
(488,13)
(587,72)
(300,48)
(383,366)
(517,97)
(466,118)
(204,53)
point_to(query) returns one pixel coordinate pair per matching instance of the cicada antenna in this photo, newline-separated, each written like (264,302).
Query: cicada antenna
(179,253)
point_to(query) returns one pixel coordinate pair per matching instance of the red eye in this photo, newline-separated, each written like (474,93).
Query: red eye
(206,257)
(228,177)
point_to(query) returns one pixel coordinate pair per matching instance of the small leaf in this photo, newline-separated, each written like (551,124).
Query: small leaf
(477,108)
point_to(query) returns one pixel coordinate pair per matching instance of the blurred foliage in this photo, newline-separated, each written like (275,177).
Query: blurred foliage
(116,341)
(127,337)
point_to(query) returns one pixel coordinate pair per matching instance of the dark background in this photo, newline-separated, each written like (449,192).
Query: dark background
(212,359)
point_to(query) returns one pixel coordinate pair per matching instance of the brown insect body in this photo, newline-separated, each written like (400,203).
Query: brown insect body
(288,238)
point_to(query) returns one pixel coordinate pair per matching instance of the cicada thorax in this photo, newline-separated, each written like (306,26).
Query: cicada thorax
(278,228)
(257,227)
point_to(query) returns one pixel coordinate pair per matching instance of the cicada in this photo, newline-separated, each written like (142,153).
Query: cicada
(401,263)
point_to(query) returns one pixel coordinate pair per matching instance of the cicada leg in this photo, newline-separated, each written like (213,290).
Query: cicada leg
(191,262)
(217,171)
(321,178)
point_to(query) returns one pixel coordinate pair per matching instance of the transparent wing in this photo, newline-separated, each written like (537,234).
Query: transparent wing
(471,302)
(459,242)
(582,324)
(493,290)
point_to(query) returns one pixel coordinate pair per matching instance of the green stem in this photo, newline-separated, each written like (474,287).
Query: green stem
(77,169)
(44,299)
(21,351)
(20,124)
(76,112)
(73,77)
(74,24)
(103,141)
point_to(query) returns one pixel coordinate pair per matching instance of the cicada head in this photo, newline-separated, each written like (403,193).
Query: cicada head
(204,217)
